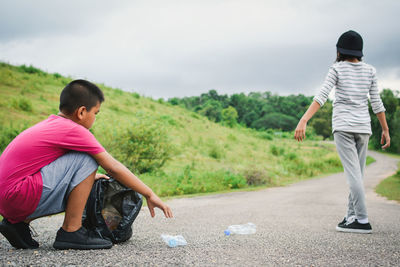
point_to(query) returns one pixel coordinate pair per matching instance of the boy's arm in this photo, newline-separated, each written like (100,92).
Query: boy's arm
(300,132)
(117,170)
(385,130)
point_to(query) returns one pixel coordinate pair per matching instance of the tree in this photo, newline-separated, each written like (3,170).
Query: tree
(250,117)
(239,102)
(229,116)
(322,121)
(275,121)
(212,110)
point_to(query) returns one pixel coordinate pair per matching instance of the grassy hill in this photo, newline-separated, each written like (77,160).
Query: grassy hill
(202,156)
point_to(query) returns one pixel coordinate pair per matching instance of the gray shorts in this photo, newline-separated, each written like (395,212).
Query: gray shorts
(59,178)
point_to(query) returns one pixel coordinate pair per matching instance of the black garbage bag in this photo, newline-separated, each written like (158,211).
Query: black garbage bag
(111,210)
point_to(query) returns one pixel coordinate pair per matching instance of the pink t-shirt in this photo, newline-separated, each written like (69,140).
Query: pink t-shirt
(20,163)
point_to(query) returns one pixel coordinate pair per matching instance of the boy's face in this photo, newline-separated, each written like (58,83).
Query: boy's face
(89,116)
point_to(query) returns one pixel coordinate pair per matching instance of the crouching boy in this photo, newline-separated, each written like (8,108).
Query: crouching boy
(50,168)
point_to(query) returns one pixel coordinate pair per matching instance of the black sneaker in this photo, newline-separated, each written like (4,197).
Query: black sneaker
(342,222)
(354,227)
(351,218)
(80,239)
(18,234)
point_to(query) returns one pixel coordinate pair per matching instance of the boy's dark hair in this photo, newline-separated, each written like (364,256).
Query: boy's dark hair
(342,57)
(79,93)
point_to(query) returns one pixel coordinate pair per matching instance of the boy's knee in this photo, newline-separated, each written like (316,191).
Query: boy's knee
(84,159)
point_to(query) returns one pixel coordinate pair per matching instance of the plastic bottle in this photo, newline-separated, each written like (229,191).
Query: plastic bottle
(174,241)
(111,217)
(241,229)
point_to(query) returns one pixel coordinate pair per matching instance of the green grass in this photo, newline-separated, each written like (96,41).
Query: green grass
(370,160)
(204,156)
(390,187)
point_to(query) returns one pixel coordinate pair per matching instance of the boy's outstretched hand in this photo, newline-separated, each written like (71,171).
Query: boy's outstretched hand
(117,170)
(153,201)
(300,132)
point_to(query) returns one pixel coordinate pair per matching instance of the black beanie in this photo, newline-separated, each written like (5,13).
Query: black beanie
(350,43)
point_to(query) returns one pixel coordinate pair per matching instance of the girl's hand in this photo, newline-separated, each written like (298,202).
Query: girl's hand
(154,201)
(385,137)
(300,132)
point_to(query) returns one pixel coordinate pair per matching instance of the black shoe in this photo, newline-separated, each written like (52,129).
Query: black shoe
(354,227)
(18,234)
(351,218)
(80,239)
(342,222)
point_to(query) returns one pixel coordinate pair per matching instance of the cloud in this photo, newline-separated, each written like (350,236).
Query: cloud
(181,48)
(21,20)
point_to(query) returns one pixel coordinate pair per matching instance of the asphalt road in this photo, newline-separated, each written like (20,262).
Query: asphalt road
(295,227)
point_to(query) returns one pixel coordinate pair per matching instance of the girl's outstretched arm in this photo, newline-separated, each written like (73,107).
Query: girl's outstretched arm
(300,132)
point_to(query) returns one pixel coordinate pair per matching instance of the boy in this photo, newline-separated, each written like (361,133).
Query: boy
(50,168)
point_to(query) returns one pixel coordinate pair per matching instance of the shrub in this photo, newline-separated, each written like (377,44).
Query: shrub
(266,136)
(57,75)
(257,177)
(194,115)
(191,181)
(8,78)
(216,152)
(229,116)
(142,147)
(22,103)
(8,133)
(233,180)
(277,151)
(174,101)
(168,119)
(136,95)
(115,108)
(291,156)
(31,70)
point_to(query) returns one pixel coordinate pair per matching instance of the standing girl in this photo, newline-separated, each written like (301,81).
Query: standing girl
(351,125)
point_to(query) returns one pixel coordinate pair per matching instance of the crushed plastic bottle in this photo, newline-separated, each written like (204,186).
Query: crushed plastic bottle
(174,241)
(241,229)
(111,217)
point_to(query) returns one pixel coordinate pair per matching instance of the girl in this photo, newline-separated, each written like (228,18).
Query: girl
(351,126)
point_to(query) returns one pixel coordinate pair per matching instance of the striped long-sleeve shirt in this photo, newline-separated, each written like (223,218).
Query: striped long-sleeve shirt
(353,82)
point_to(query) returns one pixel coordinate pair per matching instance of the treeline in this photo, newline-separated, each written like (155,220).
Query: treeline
(259,111)
(265,110)
(255,110)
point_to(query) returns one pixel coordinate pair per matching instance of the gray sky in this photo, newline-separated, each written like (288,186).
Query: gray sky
(168,48)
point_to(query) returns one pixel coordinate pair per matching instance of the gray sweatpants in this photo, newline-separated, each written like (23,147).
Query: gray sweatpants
(352,149)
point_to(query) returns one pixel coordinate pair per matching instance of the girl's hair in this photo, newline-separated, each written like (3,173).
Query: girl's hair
(342,57)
